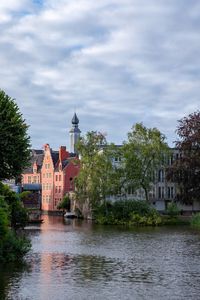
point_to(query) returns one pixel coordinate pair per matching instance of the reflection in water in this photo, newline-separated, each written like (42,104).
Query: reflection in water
(10,275)
(79,260)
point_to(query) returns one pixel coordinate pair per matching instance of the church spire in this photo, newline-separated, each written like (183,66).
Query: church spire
(74,134)
(75,120)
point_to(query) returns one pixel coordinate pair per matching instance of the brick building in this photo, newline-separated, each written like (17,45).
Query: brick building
(54,170)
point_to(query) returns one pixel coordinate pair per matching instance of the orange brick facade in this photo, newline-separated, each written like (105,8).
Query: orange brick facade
(54,171)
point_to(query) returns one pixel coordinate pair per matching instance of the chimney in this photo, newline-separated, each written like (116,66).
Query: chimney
(63,153)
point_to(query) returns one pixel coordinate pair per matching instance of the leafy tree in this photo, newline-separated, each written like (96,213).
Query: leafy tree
(96,178)
(17,213)
(12,216)
(143,153)
(4,222)
(185,171)
(14,141)
(64,204)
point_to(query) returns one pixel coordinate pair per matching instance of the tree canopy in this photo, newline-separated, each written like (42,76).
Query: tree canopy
(96,178)
(143,154)
(185,170)
(14,140)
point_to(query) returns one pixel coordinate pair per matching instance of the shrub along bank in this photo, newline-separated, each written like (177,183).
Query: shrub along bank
(195,222)
(139,213)
(127,212)
(13,217)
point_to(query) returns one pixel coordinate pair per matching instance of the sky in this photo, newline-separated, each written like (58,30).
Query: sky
(114,62)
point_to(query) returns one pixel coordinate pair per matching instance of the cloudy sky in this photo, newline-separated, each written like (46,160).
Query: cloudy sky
(116,62)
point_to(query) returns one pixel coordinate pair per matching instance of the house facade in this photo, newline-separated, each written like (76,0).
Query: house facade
(54,171)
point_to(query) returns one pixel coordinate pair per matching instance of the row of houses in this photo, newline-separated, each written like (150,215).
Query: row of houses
(53,172)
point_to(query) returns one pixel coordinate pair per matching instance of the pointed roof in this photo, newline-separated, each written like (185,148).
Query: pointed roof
(75,119)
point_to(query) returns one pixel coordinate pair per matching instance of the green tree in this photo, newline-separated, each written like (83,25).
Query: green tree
(143,154)
(64,204)
(12,216)
(14,141)
(18,215)
(96,179)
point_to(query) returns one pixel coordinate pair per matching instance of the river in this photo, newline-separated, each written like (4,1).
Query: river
(75,260)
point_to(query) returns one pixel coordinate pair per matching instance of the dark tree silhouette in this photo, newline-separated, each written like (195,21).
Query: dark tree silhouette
(185,170)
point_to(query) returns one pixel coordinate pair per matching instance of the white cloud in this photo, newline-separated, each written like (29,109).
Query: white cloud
(116,61)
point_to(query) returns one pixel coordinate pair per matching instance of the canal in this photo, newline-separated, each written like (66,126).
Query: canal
(80,260)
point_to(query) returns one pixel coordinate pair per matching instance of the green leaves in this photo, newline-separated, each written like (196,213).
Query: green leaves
(143,154)
(14,141)
(95,179)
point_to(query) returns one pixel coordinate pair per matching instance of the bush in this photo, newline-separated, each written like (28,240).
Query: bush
(173,210)
(65,203)
(195,222)
(12,216)
(13,247)
(125,212)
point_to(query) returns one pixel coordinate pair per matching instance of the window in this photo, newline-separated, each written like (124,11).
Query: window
(34,179)
(59,189)
(172,192)
(56,177)
(159,192)
(48,166)
(168,193)
(161,175)
(59,177)
(49,175)
(43,175)
(163,192)
(29,179)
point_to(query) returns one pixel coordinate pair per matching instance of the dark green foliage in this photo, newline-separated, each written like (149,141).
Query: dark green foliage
(12,216)
(24,195)
(127,212)
(185,170)
(17,213)
(14,141)
(195,222)
(172,209)
(4,221)
(65,203)
(13,247)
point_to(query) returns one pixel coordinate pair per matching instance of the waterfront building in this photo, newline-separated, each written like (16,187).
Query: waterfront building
(54,171)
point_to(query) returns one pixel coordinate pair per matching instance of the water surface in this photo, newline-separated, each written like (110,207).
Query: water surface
(80,260)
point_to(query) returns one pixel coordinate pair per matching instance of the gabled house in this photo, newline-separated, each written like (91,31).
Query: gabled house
(54,170)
